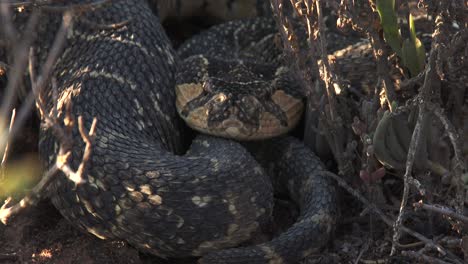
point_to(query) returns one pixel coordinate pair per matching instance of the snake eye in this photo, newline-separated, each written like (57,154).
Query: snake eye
(220,98)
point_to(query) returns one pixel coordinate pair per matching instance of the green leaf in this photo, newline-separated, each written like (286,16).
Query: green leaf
(388,20)
(394,105)
(412,28)
(413,57)
(413,52)
(420,53)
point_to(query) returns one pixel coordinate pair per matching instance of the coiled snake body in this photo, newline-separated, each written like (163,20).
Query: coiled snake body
(139,187)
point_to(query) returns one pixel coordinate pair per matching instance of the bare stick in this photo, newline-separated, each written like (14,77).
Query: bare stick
(415,141)
(63,133)
(55,51)
(15,76)
(10,32)
(88,138)
(37,85)
(61,164)
(7,146)
(441,210)
(423,258)
(328,77)
(430,82)
(308,71)
(460,167)
(381,57)
(387,220)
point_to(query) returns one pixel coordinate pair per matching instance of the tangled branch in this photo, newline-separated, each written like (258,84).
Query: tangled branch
(61,131)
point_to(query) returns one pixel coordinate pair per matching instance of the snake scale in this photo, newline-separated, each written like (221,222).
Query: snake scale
(142,186)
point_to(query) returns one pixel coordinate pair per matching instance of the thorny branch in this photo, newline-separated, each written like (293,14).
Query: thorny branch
(15,74)
(366,21)
(308,68)
(7,147)
(63,133)
(431,84)
(441,210)
(389,221)
(422,258)
(429,80)
(61,164)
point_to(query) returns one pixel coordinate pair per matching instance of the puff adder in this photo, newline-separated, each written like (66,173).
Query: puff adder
(140,186)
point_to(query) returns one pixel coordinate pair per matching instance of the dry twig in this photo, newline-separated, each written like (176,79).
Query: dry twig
(441,210)
(7,147)
(424,258)
(390,222)
(308,70)
(15,74)
(431,83)
(63,133)
(459,167)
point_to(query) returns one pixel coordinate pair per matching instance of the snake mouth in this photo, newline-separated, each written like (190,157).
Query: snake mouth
(235,128)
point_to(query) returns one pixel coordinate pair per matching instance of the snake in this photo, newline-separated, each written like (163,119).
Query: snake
(237,87)
(141,184)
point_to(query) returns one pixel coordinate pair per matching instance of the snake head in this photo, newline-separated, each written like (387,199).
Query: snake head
(235,99)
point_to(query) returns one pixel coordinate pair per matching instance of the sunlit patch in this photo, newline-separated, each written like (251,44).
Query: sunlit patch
(220,98)
(45,255)
(232,209)
(95,232)
(155,199)
(186,93)
(201,201)
(271,255)
(198,119)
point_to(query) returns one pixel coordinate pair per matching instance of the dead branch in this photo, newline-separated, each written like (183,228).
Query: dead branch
(424,258)
(15,74)
(431,83)
(61,164)
(381,57)
(312,76)
(408,179)
(389,221)
(441,210)
(63,133)
(459,167)
(7,147)
(63,161)
(330,79)
(362,18)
